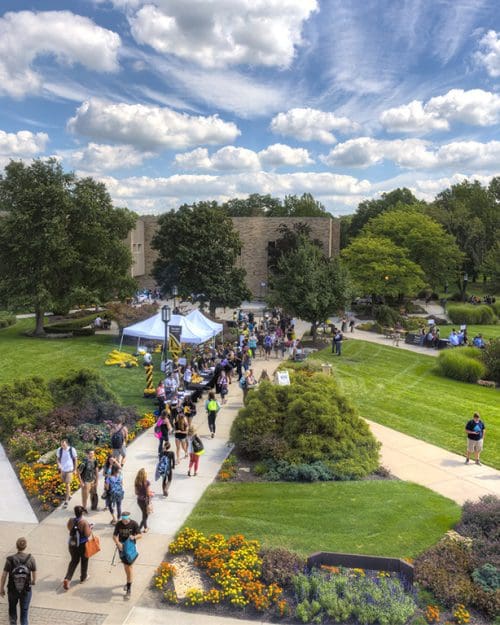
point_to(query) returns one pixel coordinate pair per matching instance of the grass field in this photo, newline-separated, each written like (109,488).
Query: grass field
(22,356)
(401,390)
(389,518)
(488,332)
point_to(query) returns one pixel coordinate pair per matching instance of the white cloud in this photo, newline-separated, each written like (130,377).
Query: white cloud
(489,56)
(70,38)
(231,158)
(412,117)
(98,157)
(220,33)
(415,154)
(22,144)
(279,154)
(475,107)
(149,127)
(310,124)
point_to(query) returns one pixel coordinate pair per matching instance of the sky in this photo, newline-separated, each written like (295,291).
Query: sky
(177,101)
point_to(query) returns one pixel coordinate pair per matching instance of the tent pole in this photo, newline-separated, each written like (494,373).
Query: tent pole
(121,342)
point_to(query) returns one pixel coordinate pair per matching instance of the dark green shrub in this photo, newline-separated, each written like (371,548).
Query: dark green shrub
(22,403)
(70,325)
(281,470)
(481,522)
(491,357)
(7,319)
(309,421)
(471,314)
(487,576)
(386,316)
(279,566)
(79,388)
(453,364)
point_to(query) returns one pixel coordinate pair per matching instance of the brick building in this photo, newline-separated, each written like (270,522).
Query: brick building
(256,234)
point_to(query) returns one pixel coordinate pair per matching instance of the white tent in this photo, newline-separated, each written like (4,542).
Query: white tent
(153,328)
(199,319)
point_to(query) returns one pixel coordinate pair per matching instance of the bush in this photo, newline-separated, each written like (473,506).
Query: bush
(72,325)
(281,470)
(279,566)
(490,355)
(471,314)
(496,308)
(454,364)
(81,388)
(386,316)
(488,577)
(307,422)
(481,522)
(22,404)
(7,319)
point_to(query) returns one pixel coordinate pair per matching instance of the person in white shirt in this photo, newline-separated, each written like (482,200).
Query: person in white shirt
(188,374)
(170,386)
(66,457)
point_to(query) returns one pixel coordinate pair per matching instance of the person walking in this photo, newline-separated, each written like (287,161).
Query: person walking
(195,448)
(119,435)
(79,533)
(337,340)
(212,407)
(66,463)
(222,383)
(475,429)
(115,492)
(144,496)
(88,474)
(126,534)
(166,465)
(181,426)
(20,569)
(163,428)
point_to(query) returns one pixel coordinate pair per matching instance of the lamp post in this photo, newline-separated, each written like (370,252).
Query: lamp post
(174,295)
(166,315)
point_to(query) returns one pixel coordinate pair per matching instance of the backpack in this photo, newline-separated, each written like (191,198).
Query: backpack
(117,439)
(71,453)
(163,467)
(212,406)
(20,575)
(243,382)
(197,445)
(129,553)
(74,534)
(268,341)
(115,488)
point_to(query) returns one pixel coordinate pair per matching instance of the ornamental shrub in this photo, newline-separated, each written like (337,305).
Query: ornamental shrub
(481,522)
(478,314)
(22,403)
(453,364)
(7,319)
(307,422)
(280,566)
(487,576)
(491,357)
(386,316)
(81,388)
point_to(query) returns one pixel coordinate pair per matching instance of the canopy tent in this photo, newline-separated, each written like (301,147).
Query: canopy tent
(153,328)
(199,319)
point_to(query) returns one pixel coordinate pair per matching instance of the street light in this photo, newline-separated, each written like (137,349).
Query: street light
(174,295)
(166,315)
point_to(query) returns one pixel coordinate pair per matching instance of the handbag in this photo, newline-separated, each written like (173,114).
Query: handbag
(92,546)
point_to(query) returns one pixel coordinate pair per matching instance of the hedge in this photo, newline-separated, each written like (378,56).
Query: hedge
(459,366)
(471,314)
(72,325)
(7,319)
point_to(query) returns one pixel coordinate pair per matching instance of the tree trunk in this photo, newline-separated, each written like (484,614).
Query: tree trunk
(39,319)
(314,332)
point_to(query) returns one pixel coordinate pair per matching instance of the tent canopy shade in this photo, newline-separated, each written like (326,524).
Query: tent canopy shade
(153,328)
(199,319)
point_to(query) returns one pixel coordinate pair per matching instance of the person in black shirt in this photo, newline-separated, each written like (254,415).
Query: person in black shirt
(475,436)
(14,596)
(167,478)
(126,529)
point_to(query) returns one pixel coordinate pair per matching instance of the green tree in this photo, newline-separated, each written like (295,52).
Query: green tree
(371,208)
(471,213)
(255,205)
(379,267)
(309,285)
(197,250)
(491,267)
(60,239)
(303,206)
(425,240)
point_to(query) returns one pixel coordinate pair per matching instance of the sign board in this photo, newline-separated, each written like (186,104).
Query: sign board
(283,378)
(175,332)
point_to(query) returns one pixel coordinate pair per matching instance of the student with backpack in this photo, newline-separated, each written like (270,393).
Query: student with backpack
(114,490)
(88,474)
(165,466)
(144,496)
(66,463)
(162,429)
(196,449)
(126,534)
(20,568)
(212,407)
(79,533)
(119,435)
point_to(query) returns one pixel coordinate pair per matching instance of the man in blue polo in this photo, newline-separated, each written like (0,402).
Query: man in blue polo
(474,429)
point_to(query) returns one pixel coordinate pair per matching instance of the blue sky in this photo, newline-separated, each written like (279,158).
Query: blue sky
(173,101)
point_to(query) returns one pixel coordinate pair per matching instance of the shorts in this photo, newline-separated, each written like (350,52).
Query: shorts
(180,437)
(117,453)
(67,476)
(474,445)
(223,390)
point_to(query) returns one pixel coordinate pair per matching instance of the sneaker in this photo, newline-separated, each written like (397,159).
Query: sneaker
(212,435)
(66,583)
(127,594)
(65,504)
(189,473)
(477,462)
(85,579)
(467,461)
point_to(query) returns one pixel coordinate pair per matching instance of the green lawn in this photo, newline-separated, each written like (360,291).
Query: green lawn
(488,332)
(400,389)
(389,518)
(22,356)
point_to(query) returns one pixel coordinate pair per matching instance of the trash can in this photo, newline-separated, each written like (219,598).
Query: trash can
(326,368)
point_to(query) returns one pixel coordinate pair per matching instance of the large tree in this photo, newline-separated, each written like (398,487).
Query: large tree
(308,284)
(61,240)
(471,213)
(426,241)
(381,268)
(197,251)
(256,205)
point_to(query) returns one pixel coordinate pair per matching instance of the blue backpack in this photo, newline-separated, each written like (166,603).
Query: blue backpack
(129,553)
(163,467)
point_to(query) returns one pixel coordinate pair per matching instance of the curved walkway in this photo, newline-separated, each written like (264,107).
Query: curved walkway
(101,599)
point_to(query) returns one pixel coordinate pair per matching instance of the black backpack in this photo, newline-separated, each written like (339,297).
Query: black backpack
(74,534)
(117,439)
(20,574)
